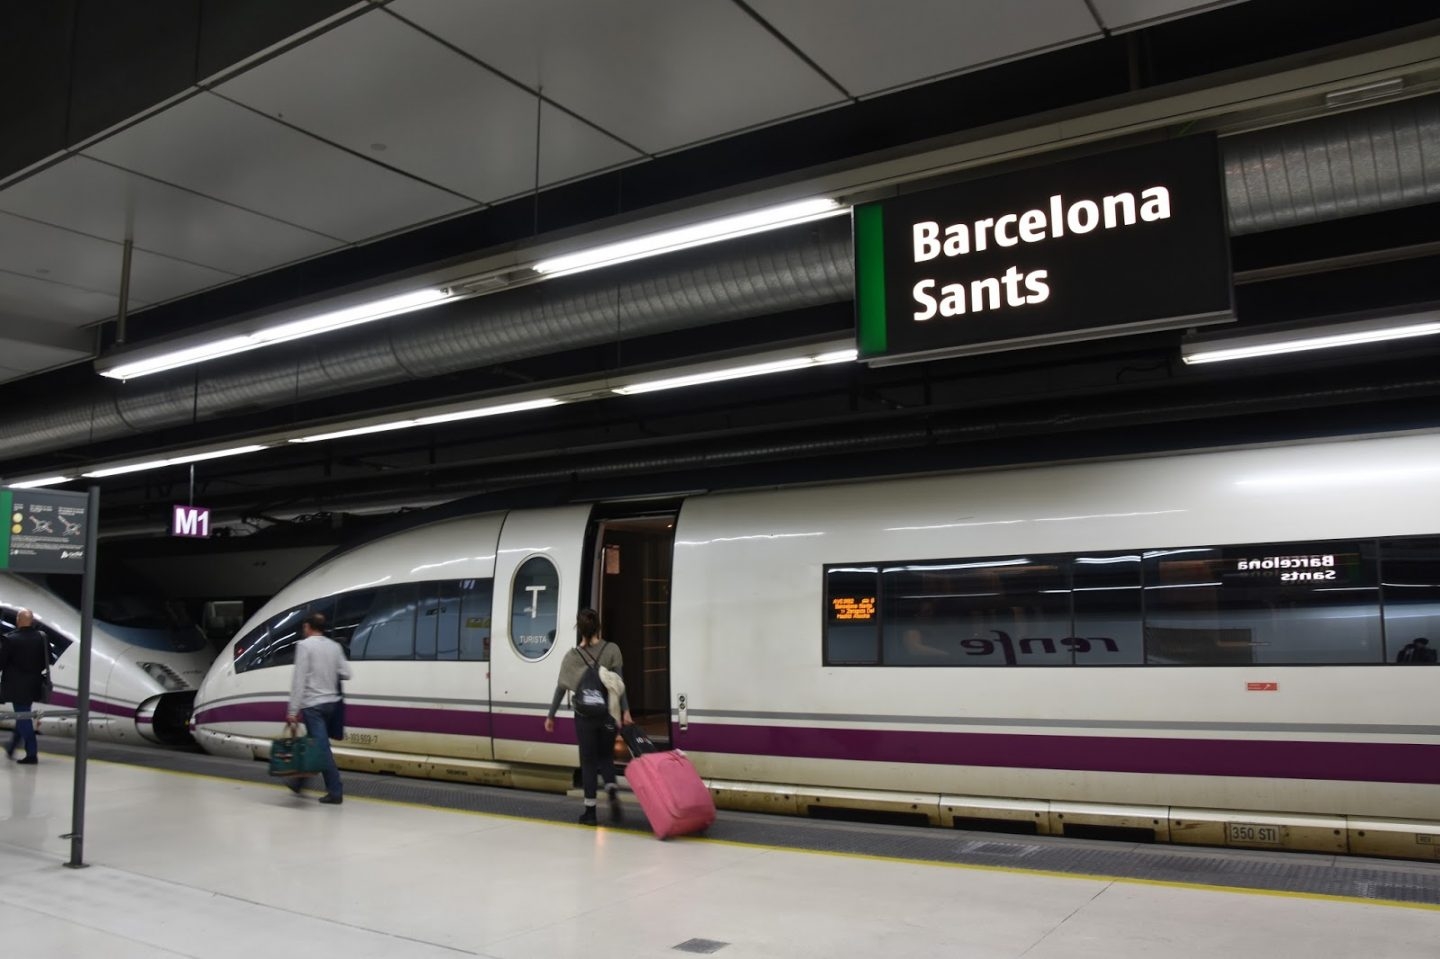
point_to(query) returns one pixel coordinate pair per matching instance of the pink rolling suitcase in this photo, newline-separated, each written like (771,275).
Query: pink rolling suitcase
(670,791)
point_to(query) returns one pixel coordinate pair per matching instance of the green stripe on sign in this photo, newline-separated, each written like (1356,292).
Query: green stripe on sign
(7,503)
(870,279)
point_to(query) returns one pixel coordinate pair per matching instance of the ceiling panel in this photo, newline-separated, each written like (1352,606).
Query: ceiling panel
(40,323)
(91,197)
(89,263)
(870,47)
(379,86)
(656,73)
(1131,14)
(35,298)
(223,150)
(19,359)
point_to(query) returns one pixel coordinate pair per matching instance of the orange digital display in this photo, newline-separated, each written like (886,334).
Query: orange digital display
(852,608)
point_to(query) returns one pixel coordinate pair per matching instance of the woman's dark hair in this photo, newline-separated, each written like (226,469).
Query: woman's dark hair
(587,624)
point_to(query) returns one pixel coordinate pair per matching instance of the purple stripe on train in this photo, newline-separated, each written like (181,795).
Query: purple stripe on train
(96,705)
(1268,759)
(418,719)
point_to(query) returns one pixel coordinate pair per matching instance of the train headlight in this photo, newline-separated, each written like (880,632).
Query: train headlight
(168,679)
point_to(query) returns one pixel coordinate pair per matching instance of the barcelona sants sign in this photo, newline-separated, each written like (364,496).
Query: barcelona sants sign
(1102,245)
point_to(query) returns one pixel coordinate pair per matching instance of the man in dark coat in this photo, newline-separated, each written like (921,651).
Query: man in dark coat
(24,654)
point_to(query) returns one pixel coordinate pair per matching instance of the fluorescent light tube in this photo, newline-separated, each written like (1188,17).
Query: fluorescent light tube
(1296,341)
(47,481)
(467,414)
(539,404)
(712,231)
(280,333)
(172,461)
(356,431)
(737,372)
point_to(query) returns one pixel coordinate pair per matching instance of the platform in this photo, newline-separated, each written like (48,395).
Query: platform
(219,862)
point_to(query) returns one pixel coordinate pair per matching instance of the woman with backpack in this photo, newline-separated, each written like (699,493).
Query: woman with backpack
(581,675)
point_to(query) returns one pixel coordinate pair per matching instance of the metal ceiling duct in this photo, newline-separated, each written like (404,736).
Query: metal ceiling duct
(1364,161)
(1344,165)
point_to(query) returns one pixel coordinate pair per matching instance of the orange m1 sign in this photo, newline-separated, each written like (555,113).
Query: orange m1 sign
(193,521)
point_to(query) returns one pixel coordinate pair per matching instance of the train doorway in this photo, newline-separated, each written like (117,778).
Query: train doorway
(631,591)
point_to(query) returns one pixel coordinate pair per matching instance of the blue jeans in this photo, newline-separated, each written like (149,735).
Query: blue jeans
(24,732)
(317,725)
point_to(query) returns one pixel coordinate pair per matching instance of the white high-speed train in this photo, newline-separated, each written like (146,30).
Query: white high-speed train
(145,661)
(1201,646)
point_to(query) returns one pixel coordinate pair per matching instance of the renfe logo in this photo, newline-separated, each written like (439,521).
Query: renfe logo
(191,521)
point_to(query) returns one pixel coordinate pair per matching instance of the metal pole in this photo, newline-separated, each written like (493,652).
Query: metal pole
(82,721)
(124,310)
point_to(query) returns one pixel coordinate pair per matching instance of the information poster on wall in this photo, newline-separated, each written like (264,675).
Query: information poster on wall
(1098,246)
(44,531)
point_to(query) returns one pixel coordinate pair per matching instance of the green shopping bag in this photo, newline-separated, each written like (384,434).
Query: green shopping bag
(295,755)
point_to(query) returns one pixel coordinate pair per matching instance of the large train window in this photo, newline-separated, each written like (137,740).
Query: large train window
(475,599)
(437,621)
(1410,591)
(272,643)
(388,628)
(1107,601)
(55,643)
(852,621)
(1265,604)
(985,612)
(1290,603)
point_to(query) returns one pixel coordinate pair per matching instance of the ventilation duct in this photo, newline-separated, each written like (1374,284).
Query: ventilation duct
(1343,165)
(1349,164)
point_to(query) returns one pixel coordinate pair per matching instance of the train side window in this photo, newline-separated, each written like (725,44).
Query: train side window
(1005,611)
(1410,586)
(852,621)
(54,642)
(1108,607)
(284,634)
(437,623)
(475,600)
(1267,604)
(247,646)
(388,629)
(350,610)
(272,643)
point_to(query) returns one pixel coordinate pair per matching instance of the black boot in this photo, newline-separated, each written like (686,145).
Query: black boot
(587,818)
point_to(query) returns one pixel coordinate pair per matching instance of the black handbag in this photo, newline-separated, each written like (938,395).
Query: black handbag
(47,688)
(335,722)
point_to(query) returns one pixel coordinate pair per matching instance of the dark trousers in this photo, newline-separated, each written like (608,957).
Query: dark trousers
(596,738)
(25,732)
(317,727)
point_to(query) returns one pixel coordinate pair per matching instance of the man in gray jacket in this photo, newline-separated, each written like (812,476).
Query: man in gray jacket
(320,664)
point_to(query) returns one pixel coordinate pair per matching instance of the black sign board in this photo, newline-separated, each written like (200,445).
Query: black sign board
(1098,246)
(44,531)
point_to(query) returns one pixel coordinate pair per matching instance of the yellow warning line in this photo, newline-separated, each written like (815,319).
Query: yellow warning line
(868,857)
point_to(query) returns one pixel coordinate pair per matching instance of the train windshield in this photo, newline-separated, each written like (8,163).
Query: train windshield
(134,611)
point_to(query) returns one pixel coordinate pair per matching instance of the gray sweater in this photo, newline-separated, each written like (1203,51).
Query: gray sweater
(573,666)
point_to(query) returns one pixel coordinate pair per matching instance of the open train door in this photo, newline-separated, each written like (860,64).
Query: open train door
(633,552)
